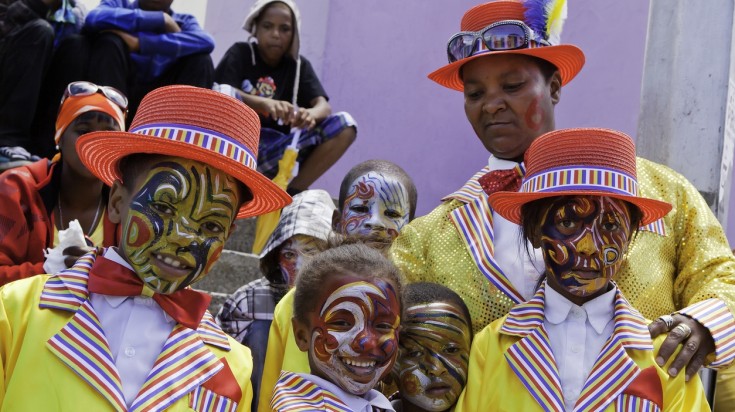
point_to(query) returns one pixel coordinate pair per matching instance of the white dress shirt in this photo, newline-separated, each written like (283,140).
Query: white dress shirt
(510,249)
(364,403)
(577,335)
(136,329)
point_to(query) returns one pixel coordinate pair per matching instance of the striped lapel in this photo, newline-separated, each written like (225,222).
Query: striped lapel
(294,393)
(614,370)
(533,362)
(184,363)
(474,223)
(81,344)
(531,358)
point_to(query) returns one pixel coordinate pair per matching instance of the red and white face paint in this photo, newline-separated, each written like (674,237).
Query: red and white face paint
(376,205)
(354,335)
(294,252)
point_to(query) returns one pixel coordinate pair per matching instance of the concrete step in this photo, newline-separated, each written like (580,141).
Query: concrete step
(232,270)
(242,238)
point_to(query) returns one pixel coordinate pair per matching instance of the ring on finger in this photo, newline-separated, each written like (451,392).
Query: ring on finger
(668,320)
(684,329)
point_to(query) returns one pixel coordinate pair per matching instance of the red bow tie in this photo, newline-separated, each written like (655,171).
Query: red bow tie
(501,180)
(185,306)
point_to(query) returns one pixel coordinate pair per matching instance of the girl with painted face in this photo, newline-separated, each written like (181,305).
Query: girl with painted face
(577,344)
(436,332)
(346,316)
(40,199)
(377,199)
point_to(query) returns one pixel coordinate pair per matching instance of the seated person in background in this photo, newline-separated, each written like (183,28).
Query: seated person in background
(29,30)
(40,199)
(271,77)
(577,344)
(435,338)
(141,45)
(122,330)
(347,311)
(303,230)
(376,198)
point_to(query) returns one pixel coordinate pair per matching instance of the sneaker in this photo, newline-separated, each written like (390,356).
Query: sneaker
(15,156)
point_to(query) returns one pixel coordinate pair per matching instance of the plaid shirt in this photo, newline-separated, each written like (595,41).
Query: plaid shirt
(253,301)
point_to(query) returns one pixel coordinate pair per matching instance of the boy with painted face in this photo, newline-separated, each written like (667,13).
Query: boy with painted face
(121,329)
(436,333)
(577,344)
(346,316)
(303,230)
(377,198)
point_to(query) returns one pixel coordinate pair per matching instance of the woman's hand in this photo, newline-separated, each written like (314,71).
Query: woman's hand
(697,344)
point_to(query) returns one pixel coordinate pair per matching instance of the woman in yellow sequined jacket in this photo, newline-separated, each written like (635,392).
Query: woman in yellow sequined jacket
(509,100)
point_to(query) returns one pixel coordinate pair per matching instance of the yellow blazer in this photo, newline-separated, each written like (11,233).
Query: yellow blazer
(55,357)
(512,368)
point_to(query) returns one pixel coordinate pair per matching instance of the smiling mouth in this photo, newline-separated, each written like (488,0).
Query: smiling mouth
(360,368)
(172,264)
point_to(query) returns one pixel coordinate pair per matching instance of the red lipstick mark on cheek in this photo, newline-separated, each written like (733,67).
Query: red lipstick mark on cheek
(534,115)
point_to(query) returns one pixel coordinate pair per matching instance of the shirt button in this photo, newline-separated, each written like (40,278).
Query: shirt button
(577,313)
(576,348)
(130,351)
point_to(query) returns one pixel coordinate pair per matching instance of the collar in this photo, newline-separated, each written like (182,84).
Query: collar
(67,290)
(354,402)
(600,310)
(472,189)
(115,301)
(494,163)
(630,326)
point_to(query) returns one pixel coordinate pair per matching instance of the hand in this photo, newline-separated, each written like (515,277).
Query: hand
(169,24)
(695,348)
(131,41)
(73,253)
(279,110)
(304,119)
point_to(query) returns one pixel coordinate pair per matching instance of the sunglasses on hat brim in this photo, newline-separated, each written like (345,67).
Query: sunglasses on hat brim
(82,88)
(499,36)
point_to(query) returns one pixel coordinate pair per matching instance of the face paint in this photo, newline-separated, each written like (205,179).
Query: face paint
(584,239)
(376,205)
(354,336)
(293,254)
(434,355)
(534,115)
(178,221)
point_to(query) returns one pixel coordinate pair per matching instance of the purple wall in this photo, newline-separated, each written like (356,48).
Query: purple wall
(373,62)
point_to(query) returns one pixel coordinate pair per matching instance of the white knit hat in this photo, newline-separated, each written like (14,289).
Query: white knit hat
(259,5)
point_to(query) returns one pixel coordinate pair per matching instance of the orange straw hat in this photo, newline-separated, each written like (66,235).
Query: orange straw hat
(567,58)
(191,123)
(579,162)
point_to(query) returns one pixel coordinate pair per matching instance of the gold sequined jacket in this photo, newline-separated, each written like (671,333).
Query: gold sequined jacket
(671,264)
